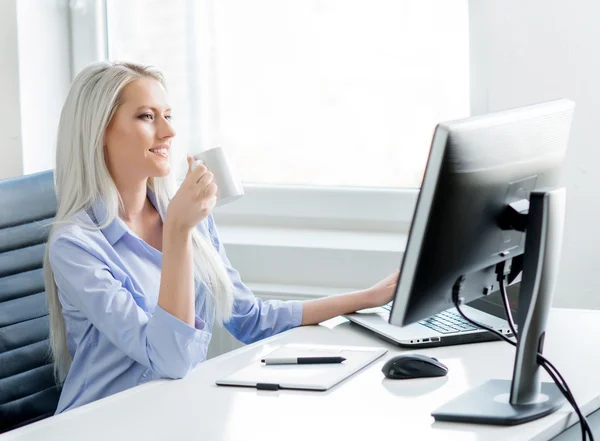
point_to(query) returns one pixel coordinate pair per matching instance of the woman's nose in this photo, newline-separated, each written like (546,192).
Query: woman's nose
(166,130)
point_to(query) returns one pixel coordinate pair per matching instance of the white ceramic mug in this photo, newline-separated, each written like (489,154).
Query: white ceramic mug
(229,188)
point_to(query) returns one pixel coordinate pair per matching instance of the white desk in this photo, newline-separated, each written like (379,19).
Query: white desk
(366,406)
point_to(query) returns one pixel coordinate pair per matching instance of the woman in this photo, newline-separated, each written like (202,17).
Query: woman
(135,272)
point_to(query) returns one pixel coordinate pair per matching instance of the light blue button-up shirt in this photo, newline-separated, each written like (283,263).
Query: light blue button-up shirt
(108,283)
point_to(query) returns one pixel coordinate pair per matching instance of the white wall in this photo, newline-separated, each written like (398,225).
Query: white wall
(524,52)
(44,70)
(10,112)
(34,80)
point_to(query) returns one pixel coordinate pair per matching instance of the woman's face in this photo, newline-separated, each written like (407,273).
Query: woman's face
(138,138)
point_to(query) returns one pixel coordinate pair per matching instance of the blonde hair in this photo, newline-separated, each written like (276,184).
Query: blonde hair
(81,176)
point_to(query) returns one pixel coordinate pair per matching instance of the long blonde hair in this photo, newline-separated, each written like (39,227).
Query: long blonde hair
(81,176)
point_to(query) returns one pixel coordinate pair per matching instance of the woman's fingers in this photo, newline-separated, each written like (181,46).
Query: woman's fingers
(198,172)
(196,197)
(204,187)
(195,176)
(200,180)
(206,179)
(210,190)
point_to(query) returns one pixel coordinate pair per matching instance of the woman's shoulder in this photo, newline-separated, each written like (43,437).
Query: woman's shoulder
(78,229)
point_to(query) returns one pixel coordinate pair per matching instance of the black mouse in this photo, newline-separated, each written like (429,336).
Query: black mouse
(407,366)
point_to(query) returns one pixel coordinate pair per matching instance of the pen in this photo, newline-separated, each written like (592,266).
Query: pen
(302,360)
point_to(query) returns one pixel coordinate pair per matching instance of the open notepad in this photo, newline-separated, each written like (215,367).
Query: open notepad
(304,376)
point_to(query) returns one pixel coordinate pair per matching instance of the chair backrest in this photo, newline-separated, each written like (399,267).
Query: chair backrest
(27,388)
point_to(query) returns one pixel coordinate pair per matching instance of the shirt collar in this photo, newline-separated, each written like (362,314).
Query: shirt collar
(113,231)
(117,228)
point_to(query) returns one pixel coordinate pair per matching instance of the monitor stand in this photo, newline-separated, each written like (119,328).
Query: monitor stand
(525,398)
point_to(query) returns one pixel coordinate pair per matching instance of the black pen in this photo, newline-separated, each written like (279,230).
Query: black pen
(302,360)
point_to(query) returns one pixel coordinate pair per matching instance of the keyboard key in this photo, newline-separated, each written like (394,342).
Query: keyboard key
(447,322)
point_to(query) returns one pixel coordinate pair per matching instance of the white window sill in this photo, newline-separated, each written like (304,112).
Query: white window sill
(267,291)
(295,263)
(311,238)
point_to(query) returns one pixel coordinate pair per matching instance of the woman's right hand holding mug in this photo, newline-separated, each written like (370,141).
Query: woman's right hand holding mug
(194,200)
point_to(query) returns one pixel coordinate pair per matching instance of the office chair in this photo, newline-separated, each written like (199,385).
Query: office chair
(27,389)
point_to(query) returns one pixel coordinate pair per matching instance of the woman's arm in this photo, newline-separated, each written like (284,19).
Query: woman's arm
(193,202)
(318,310)
(90,285)
(176,295)
(253,319)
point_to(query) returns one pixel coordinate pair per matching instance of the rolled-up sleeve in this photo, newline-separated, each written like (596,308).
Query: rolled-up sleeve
(253,319)
(159,341)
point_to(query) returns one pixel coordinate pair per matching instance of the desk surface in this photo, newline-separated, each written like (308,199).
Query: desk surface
(364,406)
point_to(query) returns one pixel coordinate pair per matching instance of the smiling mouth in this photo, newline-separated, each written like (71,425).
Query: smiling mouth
(163,152)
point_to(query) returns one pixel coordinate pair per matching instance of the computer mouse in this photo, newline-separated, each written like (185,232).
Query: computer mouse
(406,366)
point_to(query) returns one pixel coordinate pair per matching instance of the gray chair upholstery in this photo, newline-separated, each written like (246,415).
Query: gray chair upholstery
(27,389)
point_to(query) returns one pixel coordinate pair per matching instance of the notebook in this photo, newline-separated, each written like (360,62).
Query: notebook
(305,376)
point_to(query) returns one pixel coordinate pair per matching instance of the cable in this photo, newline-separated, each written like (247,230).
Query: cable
(457,300)
(564,388)
(502,271)
(550,369)
(509,317)
(545,363)
(560,382)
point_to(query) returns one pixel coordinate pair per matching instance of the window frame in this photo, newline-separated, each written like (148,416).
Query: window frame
(88,33)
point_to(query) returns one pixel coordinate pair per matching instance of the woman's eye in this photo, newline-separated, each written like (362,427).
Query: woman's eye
(168,117)
(146,116)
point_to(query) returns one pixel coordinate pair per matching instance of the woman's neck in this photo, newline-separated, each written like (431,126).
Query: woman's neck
(135,200)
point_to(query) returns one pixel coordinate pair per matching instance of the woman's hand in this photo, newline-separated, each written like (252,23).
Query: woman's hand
(382,292)
(317,310)
(194,200)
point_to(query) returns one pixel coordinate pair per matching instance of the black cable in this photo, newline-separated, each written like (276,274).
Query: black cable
(509,317)
(550,369)
(560,382)
(502,271)
(564,388)
(550,365)
(456,299)
(545,363)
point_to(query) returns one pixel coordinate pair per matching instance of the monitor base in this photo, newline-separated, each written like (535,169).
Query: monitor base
(489,404)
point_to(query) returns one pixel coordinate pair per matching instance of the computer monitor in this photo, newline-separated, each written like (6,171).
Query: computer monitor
(488,196)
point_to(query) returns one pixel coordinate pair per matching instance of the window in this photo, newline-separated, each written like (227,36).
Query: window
(326,108)
(321,93)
